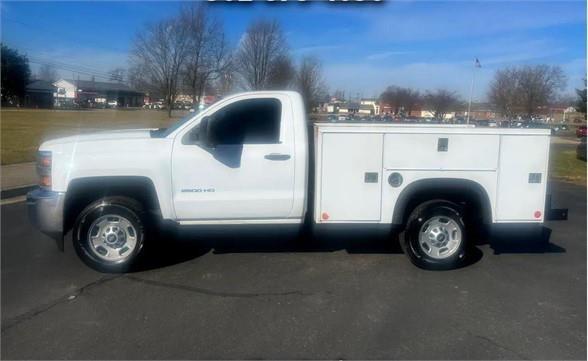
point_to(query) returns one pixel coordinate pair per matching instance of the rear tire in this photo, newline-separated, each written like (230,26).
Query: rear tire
(109,234)
(435,236)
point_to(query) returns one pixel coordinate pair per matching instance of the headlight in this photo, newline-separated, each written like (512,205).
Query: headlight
(44,168)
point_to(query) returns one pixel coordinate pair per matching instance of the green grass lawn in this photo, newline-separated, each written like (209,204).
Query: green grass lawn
(565,166)
(23,130)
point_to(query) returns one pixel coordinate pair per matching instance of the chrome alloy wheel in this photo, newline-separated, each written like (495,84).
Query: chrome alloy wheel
(440,237)
(112,238)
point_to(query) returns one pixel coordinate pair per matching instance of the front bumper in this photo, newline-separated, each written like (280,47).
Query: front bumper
(45,210)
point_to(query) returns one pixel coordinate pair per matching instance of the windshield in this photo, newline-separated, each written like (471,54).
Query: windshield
(179,123)
(164,132)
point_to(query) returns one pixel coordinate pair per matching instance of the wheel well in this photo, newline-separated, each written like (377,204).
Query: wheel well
(83,191)
(469,194)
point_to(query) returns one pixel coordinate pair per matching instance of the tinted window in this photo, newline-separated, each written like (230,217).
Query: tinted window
(253,121)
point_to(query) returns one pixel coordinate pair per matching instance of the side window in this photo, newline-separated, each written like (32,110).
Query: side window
(251,121)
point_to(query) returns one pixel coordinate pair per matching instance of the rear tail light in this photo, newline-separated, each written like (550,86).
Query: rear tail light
(44,162)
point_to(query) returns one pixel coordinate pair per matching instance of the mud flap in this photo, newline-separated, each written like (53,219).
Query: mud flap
(554,214)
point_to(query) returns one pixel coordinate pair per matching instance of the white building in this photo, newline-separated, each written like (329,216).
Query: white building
(91,93)
(431,114)
(369,106)
(65,92)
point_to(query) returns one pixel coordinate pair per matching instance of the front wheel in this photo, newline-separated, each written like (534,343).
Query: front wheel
(435,236)
(109,234)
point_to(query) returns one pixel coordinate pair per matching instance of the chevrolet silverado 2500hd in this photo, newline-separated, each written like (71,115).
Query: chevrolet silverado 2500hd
(247,160)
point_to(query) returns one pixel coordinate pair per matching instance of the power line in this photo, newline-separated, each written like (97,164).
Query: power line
(76,68)
(48,30)
(59,64)
(78,71)
(70,67)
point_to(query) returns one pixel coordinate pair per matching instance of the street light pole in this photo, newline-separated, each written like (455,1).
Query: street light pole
(476,65)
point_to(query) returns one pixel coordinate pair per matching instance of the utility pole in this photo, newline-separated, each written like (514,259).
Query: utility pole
(476,65)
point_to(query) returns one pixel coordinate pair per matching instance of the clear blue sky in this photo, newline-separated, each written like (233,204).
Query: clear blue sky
(364,47)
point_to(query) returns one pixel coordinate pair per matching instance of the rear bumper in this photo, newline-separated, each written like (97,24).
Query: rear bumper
(45,210)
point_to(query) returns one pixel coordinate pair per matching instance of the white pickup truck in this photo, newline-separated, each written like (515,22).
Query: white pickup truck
(247,160)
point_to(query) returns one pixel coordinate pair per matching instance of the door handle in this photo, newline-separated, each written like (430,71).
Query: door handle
(277,156)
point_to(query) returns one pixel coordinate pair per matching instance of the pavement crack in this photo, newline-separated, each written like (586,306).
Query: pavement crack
(210,292)
(496,344)
(48,306)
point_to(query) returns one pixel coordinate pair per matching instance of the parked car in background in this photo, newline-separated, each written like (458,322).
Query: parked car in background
(556,128)
(155,105)
(581,131)
(538,125)
(581,149)
(112,104)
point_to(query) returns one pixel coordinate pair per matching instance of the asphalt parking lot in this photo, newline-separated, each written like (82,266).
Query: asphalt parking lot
(348,297)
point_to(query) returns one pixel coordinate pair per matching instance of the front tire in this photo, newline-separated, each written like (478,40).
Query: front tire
(435,236)
(109,234)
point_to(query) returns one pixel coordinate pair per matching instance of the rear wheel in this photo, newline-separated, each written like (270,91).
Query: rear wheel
(109,234)
(435,236)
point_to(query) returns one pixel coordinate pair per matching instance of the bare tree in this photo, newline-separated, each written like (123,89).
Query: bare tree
(402,100)
(261,46)
(523,90)
(504,92)
(282,73)
(538,85)
(339,94)
(581,101)
(47,72)
(226,81)
(208,54)
(158,56)
(309,82)
(441,102)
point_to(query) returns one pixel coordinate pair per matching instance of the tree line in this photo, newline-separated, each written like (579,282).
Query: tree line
(404,100)
(522,91)
(189,53)
(514,91)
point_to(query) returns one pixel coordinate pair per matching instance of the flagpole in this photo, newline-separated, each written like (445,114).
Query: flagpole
(471,92)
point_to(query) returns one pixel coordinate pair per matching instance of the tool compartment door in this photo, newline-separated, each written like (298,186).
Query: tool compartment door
(351,172)
(522,178)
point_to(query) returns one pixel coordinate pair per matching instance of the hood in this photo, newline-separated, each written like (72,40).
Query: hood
(107,135)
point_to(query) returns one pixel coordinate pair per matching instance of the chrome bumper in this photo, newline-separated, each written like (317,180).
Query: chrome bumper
(45,210)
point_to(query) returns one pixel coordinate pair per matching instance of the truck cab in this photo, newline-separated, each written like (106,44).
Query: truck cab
(243,160)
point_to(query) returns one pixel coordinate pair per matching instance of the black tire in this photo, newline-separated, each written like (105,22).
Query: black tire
(124,207)
(409,238)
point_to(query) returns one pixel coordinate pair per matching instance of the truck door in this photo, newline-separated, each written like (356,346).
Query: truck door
(247,169)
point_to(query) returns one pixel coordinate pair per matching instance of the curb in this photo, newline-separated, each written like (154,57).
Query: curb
(15,192)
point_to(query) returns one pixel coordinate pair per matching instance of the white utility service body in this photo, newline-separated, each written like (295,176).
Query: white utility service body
(510,165)
(249,160)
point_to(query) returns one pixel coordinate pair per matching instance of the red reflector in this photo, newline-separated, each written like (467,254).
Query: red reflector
(537,214)
(45,162)
(45,181)
(325,216)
